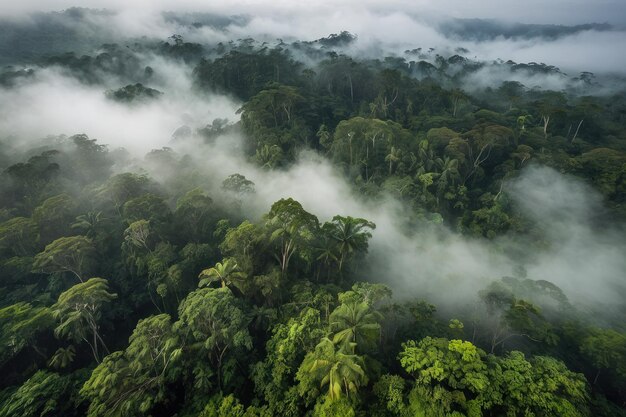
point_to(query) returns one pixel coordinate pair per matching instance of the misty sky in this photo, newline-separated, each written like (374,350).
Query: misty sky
(387,28)
(530,11)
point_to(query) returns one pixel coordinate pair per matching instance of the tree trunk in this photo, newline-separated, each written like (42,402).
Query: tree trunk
(576,133)
(219,367)
(595,380)
(546,121)
(93,351)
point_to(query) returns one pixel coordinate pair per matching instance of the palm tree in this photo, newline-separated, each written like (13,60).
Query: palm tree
(89,223)
(351,235)
(449,173)
(355,323)
(342,371)
(62,357)
(457,97)
(426,157)
(226,272)
(325,249)
(268,155)
(393,156)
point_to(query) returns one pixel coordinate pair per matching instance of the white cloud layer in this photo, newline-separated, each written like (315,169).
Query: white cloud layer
(531,11)
(391,26)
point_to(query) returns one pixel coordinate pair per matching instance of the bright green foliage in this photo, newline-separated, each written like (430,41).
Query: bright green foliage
(372,294)
(327,407)
(542,386)
(439,402)
(226,273)
(341,371)
(217,324)
(230,406)
(78,312)
(287,347)
(450,374)
(239,242)
(357,323)
(137,234)
(456,375)
(20,324)
(456,363)
(290,229)
(62,357)
(351,236)
(18,236)
(390,391)
(44,394)
(75,254)
(131,382)
(227,407)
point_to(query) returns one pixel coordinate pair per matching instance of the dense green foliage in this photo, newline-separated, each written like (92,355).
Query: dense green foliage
(126,293)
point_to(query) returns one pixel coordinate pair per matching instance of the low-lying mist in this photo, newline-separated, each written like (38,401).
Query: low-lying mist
(55,103)
(431,262)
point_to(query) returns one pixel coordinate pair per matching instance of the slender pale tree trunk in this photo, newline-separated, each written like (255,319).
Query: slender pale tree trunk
(577,128)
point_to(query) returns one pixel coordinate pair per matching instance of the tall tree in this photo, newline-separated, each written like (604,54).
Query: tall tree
(355,323)
(21,326)
(79,310)
(352,235)
(226,273)
(290,228)
(18,236)
(74,254)
(606,350)
(131,382)
(218,323)
(329,365)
